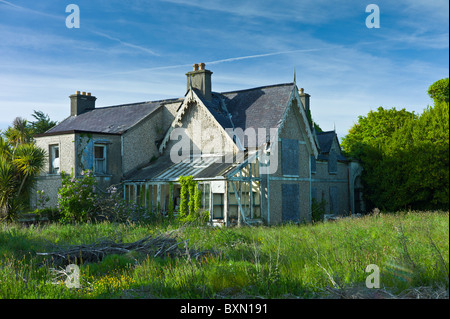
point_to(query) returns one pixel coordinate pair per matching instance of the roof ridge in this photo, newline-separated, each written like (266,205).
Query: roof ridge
(163,101)
(255,88)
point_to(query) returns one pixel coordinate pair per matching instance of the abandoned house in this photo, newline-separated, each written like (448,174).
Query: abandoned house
(254,152)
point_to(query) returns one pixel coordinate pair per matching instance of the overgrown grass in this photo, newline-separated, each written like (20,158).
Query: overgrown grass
(411,250)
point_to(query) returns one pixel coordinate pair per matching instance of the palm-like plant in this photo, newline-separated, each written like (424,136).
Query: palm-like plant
(18,165)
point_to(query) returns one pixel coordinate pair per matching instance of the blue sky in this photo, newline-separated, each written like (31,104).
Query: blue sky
(132,51)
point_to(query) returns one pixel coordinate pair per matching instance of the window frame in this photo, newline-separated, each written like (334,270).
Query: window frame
(52,158)
(104,159)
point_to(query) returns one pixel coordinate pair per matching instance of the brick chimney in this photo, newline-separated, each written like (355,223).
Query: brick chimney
(200,79)
(304,97)
(81,102)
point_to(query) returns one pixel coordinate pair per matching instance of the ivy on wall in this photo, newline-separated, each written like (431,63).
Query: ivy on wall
(190,196)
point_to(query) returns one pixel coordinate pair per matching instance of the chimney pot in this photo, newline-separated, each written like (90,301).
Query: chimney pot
(304,97)
(200,79)
(81,103)
(195,66)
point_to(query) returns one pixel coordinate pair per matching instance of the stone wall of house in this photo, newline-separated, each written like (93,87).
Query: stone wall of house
(66,150)
(76,154)
(139,143)
(84,149)
(50,183)
(206,135)
(332,188)
(292,129)
(169,111)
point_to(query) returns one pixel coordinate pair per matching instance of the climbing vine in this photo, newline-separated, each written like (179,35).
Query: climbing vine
(184,194)
(190,197)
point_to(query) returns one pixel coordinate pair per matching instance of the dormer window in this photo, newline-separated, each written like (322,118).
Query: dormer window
(54,159)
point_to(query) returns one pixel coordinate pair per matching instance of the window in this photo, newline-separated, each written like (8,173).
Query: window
(313,164)
(332,162)
(290,202)
(290,157)
(334,200)
(54,159)
(217,206)
(100,159)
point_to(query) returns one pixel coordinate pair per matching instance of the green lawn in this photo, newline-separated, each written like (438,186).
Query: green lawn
(322,260)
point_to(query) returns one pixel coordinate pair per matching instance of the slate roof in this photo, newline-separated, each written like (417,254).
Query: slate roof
(325,141)
(109,120)
(261,107)
(163,169)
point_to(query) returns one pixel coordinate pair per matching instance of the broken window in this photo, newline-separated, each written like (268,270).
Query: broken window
(54,159)
(100,159)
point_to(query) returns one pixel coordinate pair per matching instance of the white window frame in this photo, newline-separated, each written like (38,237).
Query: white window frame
(54,161)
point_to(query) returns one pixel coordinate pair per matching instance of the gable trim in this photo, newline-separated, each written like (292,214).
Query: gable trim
(309,134)
(191,97)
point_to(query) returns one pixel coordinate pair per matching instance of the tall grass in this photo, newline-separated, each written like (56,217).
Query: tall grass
(411,250)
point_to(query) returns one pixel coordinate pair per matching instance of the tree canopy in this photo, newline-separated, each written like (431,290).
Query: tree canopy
(405,156)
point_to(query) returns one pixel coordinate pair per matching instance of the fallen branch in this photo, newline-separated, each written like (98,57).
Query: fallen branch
(162,245)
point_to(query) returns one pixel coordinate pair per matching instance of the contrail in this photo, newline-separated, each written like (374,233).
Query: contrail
(11,4)
(260,56)
(134,46)
(218,61)
(31,10)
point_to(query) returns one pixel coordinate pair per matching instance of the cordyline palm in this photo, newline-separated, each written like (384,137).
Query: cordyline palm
(19,133)
(16,173)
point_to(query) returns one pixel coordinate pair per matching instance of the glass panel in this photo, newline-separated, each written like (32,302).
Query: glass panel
(99,152)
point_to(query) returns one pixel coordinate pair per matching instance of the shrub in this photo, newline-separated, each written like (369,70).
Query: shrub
(318,210)
(50,213)
(77,198)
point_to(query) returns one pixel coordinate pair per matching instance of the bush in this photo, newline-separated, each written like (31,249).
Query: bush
(113,207)
(49,213)
(196,218)
(77,198)
(318,210)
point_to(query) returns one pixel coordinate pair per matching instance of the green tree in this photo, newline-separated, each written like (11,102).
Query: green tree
(42,123)
(19,133)
(439,91)
(405,156)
